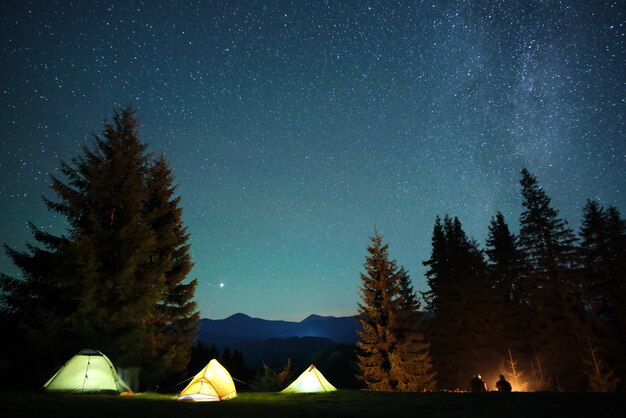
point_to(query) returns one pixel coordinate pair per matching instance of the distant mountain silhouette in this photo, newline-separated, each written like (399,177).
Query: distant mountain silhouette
(273,342)
(241,328)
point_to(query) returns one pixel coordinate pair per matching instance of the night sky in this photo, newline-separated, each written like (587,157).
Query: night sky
(295,128)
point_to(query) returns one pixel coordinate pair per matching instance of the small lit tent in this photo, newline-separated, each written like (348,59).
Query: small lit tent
(213,383)
(88,371)
(311,380)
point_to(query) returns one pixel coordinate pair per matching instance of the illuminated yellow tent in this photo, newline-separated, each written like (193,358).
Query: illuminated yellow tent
(311,380)
(213,383)
(88,371)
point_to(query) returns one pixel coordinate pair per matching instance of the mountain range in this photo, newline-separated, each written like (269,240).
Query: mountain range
(273,342)
(241,328)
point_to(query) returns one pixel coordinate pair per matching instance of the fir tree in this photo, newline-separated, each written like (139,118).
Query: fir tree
(380,292)
(542,380)
(616,237)
(227,358)
(595,259)
(268,380)
(603,254)
(411,365)
(513,373)
(616,232)
(115,280)
(463,329)
(32,308)
(505,279)
(505,260)
(437,265)
(238,369)
(201,354)
(603,251)
(600,380)
(212,354)
(173,324)
(548,246)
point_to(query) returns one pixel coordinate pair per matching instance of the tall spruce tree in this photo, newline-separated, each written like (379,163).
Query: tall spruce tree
(32,309)
(173,323)
(616,239)
(437,266)
(411,364)
(603,255)
(462,331)
(550,257)
(378,315)
(505,278)
(393,354)
(505,260)
(115,280)
(595,259)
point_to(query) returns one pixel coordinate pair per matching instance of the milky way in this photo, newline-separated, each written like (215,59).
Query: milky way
(297,128)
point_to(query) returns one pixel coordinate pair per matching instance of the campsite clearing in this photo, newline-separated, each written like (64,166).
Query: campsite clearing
(342,403)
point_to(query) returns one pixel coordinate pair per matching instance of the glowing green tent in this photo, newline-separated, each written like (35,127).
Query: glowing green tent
(311,380)
(88,371)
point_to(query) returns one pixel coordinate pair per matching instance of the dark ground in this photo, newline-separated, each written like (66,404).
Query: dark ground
(358,404)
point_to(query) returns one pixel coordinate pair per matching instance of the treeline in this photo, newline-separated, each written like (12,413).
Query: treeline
(338,363)
(545,307)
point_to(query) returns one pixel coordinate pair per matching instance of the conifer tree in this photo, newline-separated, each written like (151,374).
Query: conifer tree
(506,281)
(548,246)
(505,260)
(462,331)
(437,266)
(380,293)
(201,354)
(238,369)
(603,255)
(600,379)
(32,308)
(410,303)
(603,250)
(542,374)
(115,280)
(513,373)
(172,327)
(269,380)
(227,357)
(411,364)
(616,227)
(212,354)
(616,233)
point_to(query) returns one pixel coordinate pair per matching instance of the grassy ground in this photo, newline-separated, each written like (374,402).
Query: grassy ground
(358,404)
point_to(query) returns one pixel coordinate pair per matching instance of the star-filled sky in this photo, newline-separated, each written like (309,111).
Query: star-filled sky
(295,128)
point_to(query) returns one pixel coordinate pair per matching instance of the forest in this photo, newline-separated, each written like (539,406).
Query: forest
(545,308)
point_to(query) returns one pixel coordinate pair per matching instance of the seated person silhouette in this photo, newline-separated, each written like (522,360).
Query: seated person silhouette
(477,384)
(502,385)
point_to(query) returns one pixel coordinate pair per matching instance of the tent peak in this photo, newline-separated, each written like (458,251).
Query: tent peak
(90,352)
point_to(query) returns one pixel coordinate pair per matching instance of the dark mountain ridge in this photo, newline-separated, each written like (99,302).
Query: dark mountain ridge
(273,342)
(241,328)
